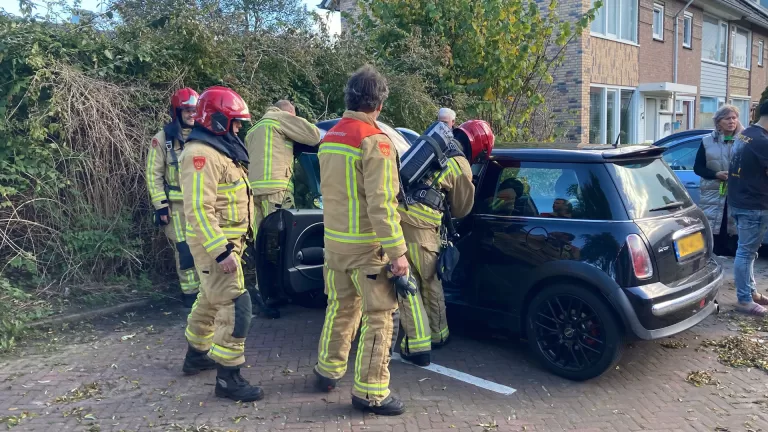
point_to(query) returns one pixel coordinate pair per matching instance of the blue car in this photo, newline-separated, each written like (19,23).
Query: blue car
(680,155)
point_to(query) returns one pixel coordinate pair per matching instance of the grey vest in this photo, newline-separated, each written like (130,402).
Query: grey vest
(718,155)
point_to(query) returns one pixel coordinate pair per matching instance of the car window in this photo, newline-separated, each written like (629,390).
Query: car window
(306,182)
(551,190)
(682,156)
(649,188)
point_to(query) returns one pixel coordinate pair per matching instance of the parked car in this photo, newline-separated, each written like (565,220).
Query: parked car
(574,249)
(680,153)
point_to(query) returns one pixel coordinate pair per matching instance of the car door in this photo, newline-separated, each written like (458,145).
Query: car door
(290,242)
(681,156)
(528,218)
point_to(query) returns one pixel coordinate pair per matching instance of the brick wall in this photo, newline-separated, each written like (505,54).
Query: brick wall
(657,57)
(614,63)
(759,74)
(570,96)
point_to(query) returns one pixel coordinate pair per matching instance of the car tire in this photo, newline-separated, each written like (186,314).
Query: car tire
(602,333)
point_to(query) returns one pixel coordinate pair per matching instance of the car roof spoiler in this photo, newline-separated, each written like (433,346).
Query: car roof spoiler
(632,152)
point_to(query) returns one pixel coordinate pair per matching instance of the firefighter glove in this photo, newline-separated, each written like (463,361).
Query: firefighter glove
(161,212)
(404,285)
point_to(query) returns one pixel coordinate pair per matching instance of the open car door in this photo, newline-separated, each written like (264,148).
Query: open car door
(290,243)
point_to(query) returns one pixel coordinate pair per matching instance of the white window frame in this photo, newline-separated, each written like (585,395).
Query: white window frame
(657,7)
(720,24)
(760,52)
(745,100)
(615,37)
(688,17)
(616,112)
(749,46)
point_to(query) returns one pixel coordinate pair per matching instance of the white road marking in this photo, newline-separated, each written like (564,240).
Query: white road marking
(461,376)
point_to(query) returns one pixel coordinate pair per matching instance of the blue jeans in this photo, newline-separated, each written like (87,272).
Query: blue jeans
(752,225)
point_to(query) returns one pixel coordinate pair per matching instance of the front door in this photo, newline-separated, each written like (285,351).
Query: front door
(651,115)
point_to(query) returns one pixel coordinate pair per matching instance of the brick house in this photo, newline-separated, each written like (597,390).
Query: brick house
(619,82)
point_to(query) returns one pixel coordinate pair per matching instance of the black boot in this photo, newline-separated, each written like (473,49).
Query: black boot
(188,300)
(438,345)
(197,361)
(323,383)
(419,359)
(230,384)
(391,406)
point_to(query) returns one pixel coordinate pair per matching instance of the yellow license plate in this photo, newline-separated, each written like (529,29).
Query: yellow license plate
(689,245)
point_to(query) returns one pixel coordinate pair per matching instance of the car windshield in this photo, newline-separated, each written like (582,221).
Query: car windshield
(649,188)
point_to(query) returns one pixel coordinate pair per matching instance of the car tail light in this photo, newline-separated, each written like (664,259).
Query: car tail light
(641,259)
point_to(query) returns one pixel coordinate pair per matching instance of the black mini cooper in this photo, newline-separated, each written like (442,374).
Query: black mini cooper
(576,250)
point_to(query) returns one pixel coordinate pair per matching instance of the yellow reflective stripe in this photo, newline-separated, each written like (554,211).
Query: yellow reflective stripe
(421,333)
(390,195)
(269,183)
(155,195)
(330,317)
(440,335)
(226,353)
(391,241)
(234,186)
(231,205)
(175,195)
(349,237)
(372,389)
(363,329)
(214,243)
(234,231)
(452,168)
(353,204)
(415,344)
(268,153)
(190,231)
(341,149)
(197,206)
(425,214)
(192,337)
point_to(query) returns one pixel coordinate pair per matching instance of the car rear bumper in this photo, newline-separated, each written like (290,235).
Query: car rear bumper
(656,310)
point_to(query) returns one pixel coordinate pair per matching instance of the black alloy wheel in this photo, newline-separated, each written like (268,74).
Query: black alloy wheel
(573,332)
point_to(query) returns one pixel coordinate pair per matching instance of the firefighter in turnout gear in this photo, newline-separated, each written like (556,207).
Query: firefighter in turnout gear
(423,316)
(270,146)
(359,182)
(163,185)
(219,211)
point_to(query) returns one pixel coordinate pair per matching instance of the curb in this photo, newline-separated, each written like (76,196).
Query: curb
(82,316)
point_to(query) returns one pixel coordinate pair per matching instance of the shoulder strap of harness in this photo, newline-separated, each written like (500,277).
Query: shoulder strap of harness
(169,151)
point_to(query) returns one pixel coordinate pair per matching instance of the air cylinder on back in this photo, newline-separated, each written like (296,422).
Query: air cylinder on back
(426,156)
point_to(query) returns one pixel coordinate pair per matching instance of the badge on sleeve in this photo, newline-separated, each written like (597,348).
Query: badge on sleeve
(199,162)
(385,148)
(155,142)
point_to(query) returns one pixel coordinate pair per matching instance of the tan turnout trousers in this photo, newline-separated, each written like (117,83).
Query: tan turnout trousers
(423,316)
(363,292)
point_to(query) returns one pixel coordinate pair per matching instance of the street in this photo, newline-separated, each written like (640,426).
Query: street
(123,373)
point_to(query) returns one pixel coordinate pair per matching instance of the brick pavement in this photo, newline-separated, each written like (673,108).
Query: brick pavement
(140,386)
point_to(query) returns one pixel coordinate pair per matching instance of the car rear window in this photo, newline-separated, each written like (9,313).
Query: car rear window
(649,188)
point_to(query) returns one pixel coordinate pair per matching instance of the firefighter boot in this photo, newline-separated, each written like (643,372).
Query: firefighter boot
(188,300)
(197,361)
(419,359)
(230,384)
(391,406)
(323,383)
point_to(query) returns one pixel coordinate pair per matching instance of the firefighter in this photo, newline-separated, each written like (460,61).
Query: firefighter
(219,210)
(423,316)
(163,185)
(359,181)
(270,145)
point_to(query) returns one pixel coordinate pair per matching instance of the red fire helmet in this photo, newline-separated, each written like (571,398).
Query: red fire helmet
(218,107)
(478,139)
(181,99)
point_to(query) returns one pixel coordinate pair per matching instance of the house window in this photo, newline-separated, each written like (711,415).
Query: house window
(743,106)
(616,19)
(658,21)
(760,52)
(707,108)
(610,115)
(742,40)
(688,30)
(714,40)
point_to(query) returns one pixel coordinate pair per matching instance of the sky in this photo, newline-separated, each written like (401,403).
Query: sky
(12,6)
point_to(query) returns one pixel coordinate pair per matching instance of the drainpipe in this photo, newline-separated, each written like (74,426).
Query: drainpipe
(677,47)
